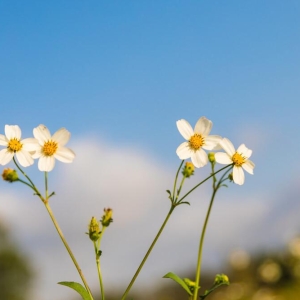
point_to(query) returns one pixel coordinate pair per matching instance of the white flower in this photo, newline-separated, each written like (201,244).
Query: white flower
(14,145)
(196,140)
(239,158)
(51,148)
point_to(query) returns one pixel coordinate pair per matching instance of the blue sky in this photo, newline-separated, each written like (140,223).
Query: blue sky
(119,74)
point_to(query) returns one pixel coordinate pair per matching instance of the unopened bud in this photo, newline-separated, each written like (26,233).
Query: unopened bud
(221,279)
(211,157)
(230,176)
(10,175)
(107,217)
(191,284)
(94,229)
(188,169)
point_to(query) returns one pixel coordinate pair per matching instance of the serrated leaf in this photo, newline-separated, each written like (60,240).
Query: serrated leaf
(179,281)
(78,288)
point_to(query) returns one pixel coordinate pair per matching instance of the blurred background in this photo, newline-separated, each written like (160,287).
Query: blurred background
(118,75)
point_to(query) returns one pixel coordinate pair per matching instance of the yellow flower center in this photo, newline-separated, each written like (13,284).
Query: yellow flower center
(50,148)
(14,145)
(196,141)
(238,159)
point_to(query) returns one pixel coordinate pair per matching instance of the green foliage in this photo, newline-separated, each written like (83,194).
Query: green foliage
(15,272)
(179,281)
(78,288)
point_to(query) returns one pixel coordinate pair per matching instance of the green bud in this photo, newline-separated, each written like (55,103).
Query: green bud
(221,279)
(94,229)
(230,176)
(211,157)
(10,175)
(107,217)
(191,284)
(188,169)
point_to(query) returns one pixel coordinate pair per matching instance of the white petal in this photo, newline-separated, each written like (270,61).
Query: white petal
(248,166)
(227,146)
(238,175)
(46,163)
(61,136)
(223,158)
(203,126)
(30,144)
(65,155)
(185,129)
(24,158)
(244,151)
(184,151)
(37,154)
(3,140)
(5,156)
(199,158)
(42,134)
(212,142)
(12,131)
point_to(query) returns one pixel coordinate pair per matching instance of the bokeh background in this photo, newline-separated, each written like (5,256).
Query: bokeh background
(118,75)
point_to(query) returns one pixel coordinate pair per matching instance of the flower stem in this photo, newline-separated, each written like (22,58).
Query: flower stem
(67,247)
(147,254)
(97,248)
(198,270)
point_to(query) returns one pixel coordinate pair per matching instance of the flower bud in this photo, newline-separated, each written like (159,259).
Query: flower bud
(191,284)
(211,157)
(221,279)
(10,175)
(188,169)
(230,176)
(107,217)
(94,229)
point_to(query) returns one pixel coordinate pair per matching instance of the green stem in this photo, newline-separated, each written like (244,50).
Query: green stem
(211,175)
(147,254)
(67,247)
(198,270)
(99,269)
(175,181)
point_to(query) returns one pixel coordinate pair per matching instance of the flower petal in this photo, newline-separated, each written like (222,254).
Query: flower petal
(199,158)
(223,158)
(185,129)
(227,146)
(24,158)
(37,154)
(61,136)
(12,131)
(203,126)
(184,151)
(212,142)
(65,155)
(248,166)
(238,175)
(5,157)
(46,163)
(30,144)
(42,134)
(242,149)
(3,140)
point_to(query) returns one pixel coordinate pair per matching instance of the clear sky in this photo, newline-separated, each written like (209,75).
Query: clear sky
(119,74)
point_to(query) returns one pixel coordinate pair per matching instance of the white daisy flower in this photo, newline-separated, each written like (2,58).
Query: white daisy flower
(238,157)
(14,145)
(52,147)
(196,140)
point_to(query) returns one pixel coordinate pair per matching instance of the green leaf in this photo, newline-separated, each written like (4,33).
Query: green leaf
(184,202)
(78,288)
(179,281)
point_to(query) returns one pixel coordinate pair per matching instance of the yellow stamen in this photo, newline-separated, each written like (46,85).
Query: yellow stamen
(196,141)
(50,148)
(14,145)
(238,159)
